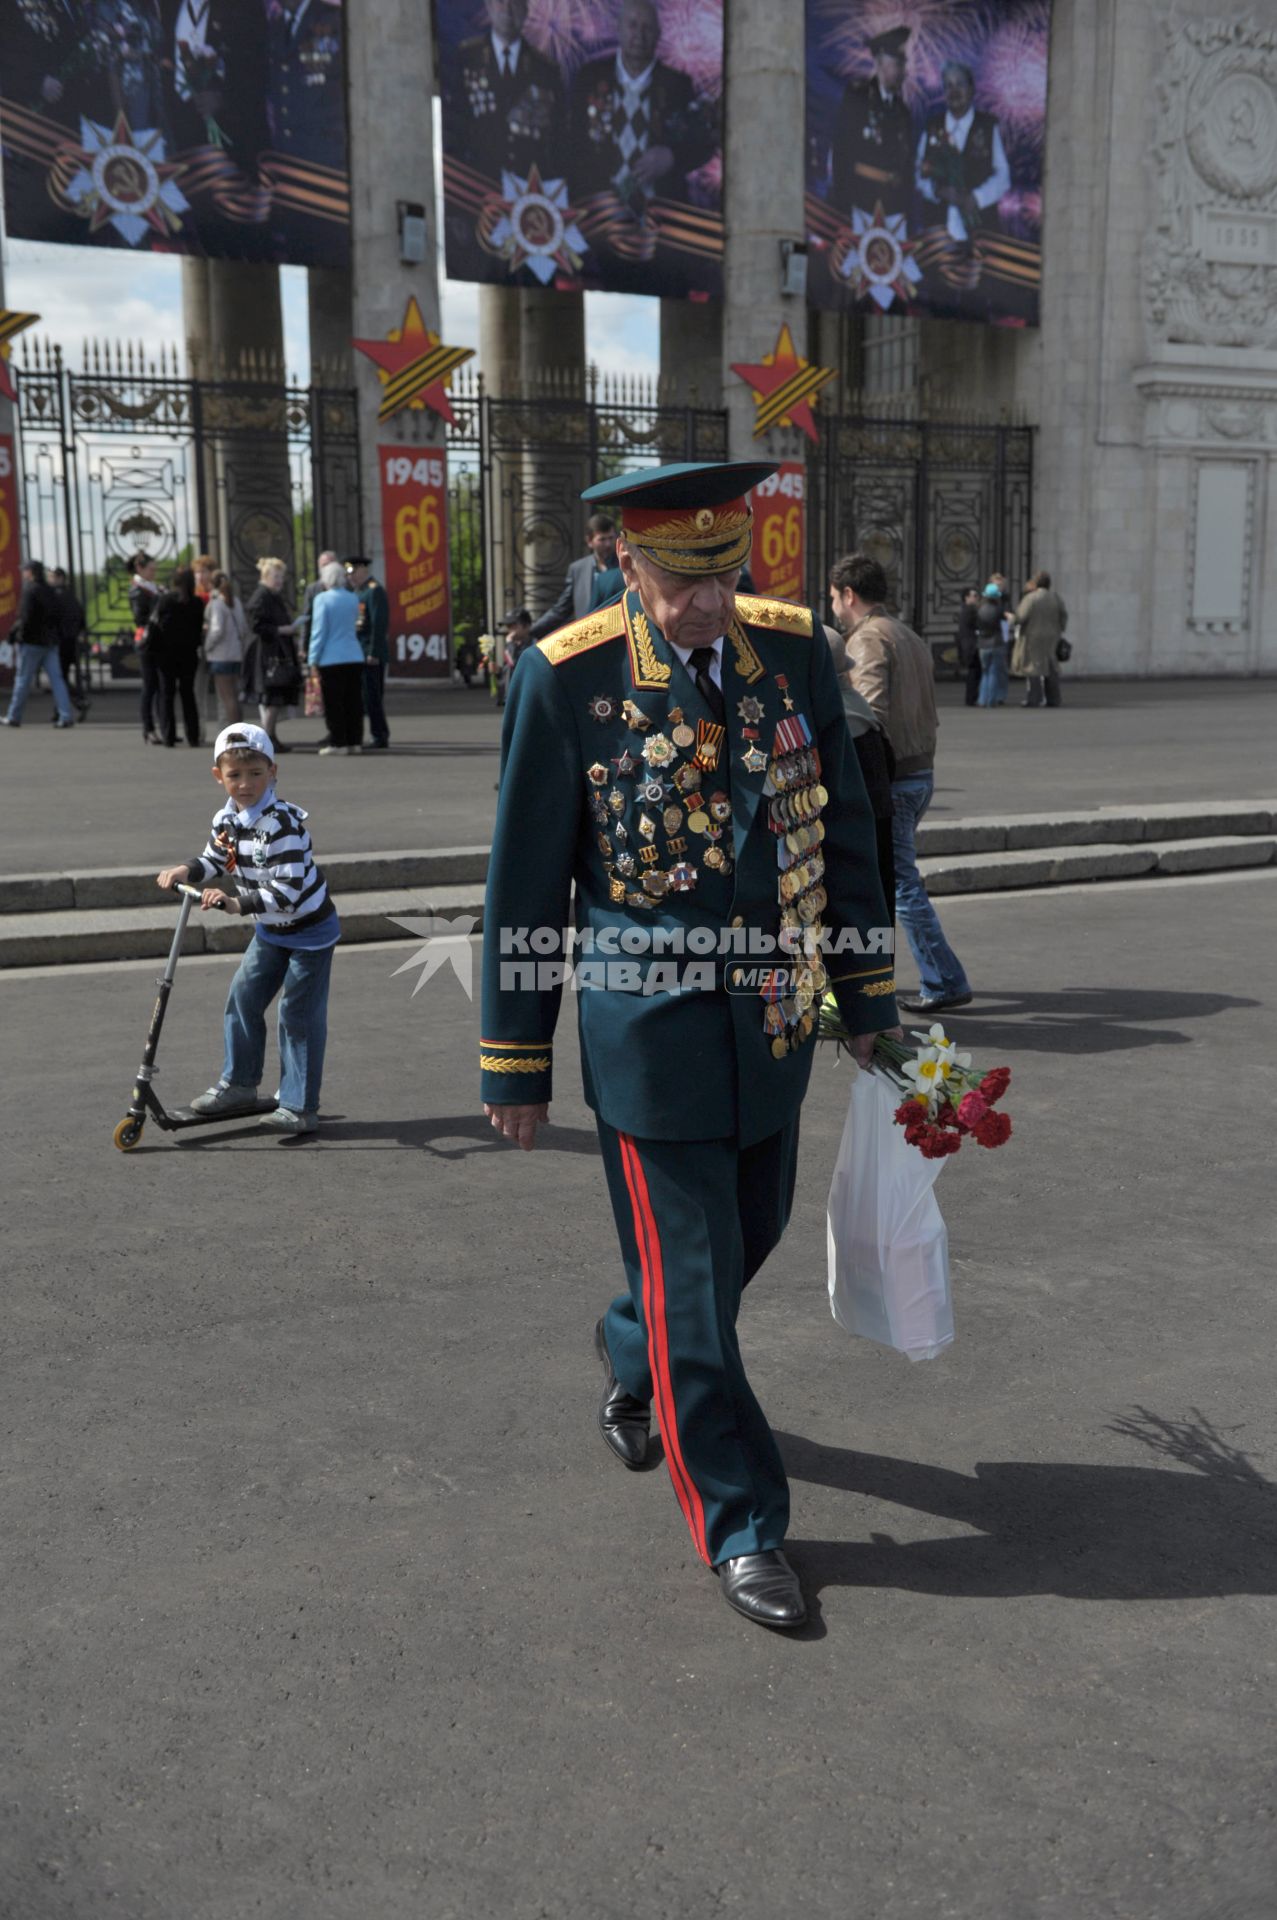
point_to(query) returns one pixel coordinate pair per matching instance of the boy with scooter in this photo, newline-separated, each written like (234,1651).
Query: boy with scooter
(262,842)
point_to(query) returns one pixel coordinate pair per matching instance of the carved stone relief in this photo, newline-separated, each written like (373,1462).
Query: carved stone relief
(1210,265)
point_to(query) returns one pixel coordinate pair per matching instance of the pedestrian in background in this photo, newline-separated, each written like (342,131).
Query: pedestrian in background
(518,638)
(225,632)
(272,676)
(336,651)
(1041,618)
(71,628)
(967,640)
(877,761)
(892,669)
(177,628)
(373,628)
(302,630)
(578,588)
(992,648)
(37,633)
(144,592)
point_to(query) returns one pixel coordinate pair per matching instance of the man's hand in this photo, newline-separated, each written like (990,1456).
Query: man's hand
(169,877)
(653,165)
(214,897)
(518,1123)
(862,1044)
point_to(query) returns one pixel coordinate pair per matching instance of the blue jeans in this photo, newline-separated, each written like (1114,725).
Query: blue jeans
(30,661)
(303,1021)
(994,680)
(939,968)
(374,701)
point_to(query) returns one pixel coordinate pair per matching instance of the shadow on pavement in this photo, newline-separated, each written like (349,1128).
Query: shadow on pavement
(1080,1532)
(465,1134)
(1081,1019)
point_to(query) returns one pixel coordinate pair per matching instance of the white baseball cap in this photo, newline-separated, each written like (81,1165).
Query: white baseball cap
(252,739)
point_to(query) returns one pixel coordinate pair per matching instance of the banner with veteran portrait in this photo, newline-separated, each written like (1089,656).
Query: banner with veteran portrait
(582,143)
(209,127)
(926,125)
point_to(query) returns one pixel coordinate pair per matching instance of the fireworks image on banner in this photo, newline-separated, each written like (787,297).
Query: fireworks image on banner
(574,31)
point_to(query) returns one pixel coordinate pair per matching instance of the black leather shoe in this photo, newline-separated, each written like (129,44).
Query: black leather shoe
(938,1006)
(764,1587)
(624,1422)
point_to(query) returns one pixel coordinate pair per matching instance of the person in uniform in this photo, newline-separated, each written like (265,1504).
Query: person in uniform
(304,59)
(373,628)
(681,757)
(503,101)
(873,147)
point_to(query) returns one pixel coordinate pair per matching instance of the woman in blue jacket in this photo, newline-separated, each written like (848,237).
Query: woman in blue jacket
(336,650)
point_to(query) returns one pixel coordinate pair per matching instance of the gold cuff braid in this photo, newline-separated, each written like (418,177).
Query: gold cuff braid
(514,1062)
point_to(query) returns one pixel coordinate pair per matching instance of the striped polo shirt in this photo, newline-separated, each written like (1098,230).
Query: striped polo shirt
(266,853)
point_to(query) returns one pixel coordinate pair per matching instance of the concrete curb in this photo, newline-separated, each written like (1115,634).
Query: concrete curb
(364,873)
(1050,867)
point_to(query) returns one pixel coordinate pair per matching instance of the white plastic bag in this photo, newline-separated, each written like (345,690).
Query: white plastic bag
(888,1245)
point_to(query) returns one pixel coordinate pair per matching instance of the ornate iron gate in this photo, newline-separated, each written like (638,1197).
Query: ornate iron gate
(941,504)
(517,468)
(127,455)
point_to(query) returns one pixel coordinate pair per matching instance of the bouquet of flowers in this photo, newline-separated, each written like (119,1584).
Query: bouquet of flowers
(201,74)
(946,1101)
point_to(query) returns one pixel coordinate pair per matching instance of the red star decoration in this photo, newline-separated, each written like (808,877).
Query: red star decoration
(784,386)
(413,365)
(12,323)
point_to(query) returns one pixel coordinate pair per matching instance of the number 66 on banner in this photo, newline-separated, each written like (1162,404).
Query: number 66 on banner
(414,518)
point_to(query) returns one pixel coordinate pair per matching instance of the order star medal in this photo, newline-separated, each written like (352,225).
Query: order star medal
(658,751)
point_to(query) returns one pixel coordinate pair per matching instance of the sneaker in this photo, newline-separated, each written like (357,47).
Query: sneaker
(284,1120)
(223,1099)
(63,724)
(353,749)
(378,746)
(324,750)
(5,721)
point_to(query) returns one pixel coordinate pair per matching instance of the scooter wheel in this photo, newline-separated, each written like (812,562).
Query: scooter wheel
(128,1133)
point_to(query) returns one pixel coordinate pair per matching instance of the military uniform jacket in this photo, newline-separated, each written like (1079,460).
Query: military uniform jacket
(616,780)
(673,114)
(504,122)
(873,152)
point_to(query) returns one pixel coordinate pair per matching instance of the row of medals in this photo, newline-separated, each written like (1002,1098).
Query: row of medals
(795,799)
(673,799)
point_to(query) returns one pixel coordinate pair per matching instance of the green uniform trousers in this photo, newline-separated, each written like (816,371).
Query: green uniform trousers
(697,1219)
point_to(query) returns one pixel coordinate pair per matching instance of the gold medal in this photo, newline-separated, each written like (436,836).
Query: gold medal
(698,821)
(683,735)
(779,1048)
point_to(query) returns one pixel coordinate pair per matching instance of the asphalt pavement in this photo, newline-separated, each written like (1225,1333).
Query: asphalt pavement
(324,1601)
(99,797)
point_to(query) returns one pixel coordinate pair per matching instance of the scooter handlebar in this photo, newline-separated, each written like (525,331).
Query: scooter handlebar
(193,893)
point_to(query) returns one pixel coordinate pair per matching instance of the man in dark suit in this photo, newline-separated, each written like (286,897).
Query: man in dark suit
(681,758)
(577,596)
(873,143)
(638,127)
(503,101)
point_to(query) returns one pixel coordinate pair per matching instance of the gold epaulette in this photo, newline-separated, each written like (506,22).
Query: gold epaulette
(580,635)
(780,615)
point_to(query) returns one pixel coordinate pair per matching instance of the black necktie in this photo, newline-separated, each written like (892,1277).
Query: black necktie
(702,659)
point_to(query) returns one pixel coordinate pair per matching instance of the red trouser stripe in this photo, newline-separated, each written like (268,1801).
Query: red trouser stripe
(658,1347)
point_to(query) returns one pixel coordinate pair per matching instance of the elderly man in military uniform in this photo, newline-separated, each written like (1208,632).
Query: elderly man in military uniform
(873,144)
(681,758)
(503,101)
(962,163)
(304,53)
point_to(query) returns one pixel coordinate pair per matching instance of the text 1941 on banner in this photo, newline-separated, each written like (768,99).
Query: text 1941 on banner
(780,533)
(414,518)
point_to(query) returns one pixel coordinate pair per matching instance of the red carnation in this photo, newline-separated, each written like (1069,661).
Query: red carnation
(993,1130)
(995,1083)
(972,1109)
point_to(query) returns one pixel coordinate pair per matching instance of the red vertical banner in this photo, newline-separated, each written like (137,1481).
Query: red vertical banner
(780,533)
(414,526)
(10,554)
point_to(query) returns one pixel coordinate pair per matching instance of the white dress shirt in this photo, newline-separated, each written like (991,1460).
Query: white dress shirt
(989,191)
(716,664)
(507,53)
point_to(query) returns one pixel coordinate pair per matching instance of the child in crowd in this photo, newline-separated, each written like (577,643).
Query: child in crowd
(262,841)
